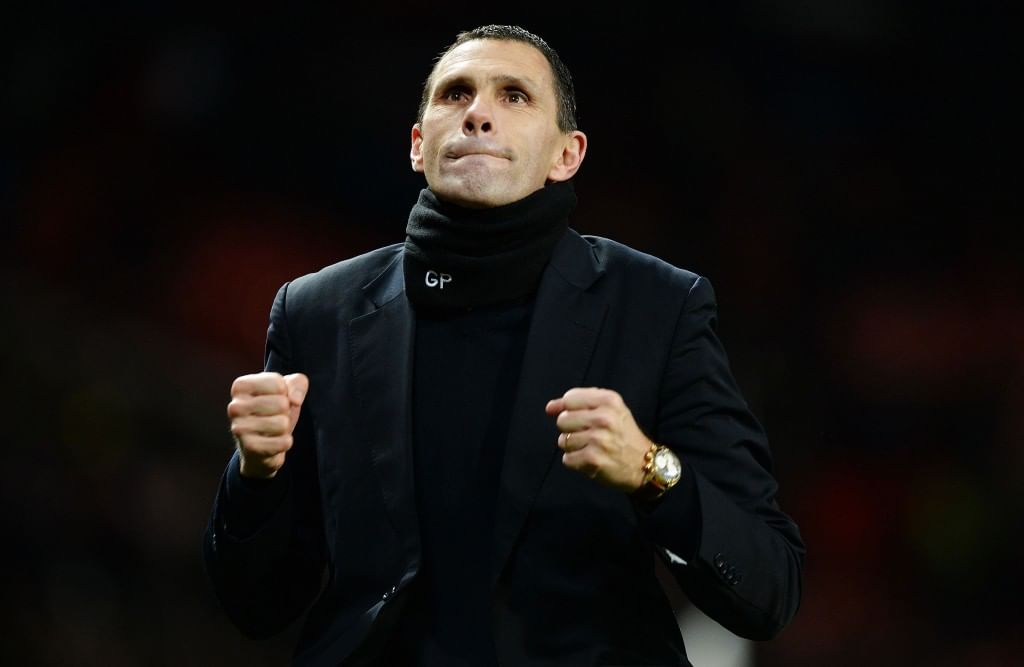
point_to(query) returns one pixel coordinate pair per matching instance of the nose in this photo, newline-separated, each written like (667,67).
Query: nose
(479,118)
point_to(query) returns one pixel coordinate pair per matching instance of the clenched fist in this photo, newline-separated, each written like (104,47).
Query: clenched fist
(264,409)
(599,436)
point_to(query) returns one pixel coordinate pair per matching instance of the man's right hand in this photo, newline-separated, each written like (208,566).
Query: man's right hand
(264,409)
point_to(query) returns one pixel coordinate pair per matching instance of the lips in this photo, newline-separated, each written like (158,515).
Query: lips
(465,151)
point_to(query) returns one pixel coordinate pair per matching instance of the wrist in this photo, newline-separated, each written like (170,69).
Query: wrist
(661,471)
(250,471)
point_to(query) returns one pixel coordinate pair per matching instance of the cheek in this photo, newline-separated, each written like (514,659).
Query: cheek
(546,145)
(432,143)
(543,159)
(427,152)
(436,123)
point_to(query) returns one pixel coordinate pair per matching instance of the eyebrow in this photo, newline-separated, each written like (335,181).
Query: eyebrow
(503,80)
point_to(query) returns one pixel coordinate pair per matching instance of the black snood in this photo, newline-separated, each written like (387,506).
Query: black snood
(458,257)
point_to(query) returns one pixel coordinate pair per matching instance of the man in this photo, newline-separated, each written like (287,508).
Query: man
(473,447)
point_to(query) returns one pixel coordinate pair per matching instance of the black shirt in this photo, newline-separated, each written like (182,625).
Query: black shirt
(464,383)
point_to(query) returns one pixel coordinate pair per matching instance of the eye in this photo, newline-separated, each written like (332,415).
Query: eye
(454,94)
(516,97)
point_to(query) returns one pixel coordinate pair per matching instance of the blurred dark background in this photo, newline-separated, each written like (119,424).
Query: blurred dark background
(842,171)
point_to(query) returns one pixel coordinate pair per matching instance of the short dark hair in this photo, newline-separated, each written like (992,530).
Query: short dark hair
(564,89)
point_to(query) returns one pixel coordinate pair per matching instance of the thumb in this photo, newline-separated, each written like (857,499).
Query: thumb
(298,385)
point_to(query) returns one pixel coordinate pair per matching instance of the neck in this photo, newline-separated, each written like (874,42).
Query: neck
(458,257)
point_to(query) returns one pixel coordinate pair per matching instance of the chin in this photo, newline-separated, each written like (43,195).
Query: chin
(471,193)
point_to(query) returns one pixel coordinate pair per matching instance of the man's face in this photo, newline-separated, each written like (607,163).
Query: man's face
(489,134)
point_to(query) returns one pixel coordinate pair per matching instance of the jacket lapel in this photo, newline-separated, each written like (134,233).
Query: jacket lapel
(382,342)
(563,331)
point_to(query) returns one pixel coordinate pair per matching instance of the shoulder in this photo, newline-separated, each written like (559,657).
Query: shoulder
(369,265)
(341,282)
(620,262)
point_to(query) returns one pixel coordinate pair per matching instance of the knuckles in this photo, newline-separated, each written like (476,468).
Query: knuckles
(279,403)
(581,397)
(598,418)
(269,426)
(235,408)
(602,419)
(244,406)
(283,423)
(268,382)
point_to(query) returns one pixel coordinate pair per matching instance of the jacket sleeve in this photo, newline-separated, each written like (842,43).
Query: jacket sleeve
(735,553)
(263,547)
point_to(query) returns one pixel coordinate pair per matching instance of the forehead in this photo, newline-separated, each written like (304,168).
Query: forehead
(489,58)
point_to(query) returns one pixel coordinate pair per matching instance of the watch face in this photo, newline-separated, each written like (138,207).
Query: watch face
(666,466)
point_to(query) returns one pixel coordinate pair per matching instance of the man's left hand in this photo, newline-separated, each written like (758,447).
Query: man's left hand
(599,436)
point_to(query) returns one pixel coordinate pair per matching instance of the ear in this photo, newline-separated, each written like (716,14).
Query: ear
(568,161)
(415,154)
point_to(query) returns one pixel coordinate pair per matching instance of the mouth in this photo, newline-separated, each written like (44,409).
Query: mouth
(456,158)
(458,155)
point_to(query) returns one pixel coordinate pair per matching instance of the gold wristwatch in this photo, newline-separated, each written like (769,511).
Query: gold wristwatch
(662,471)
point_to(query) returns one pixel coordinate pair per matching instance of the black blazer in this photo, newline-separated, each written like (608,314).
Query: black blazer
(573,561)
